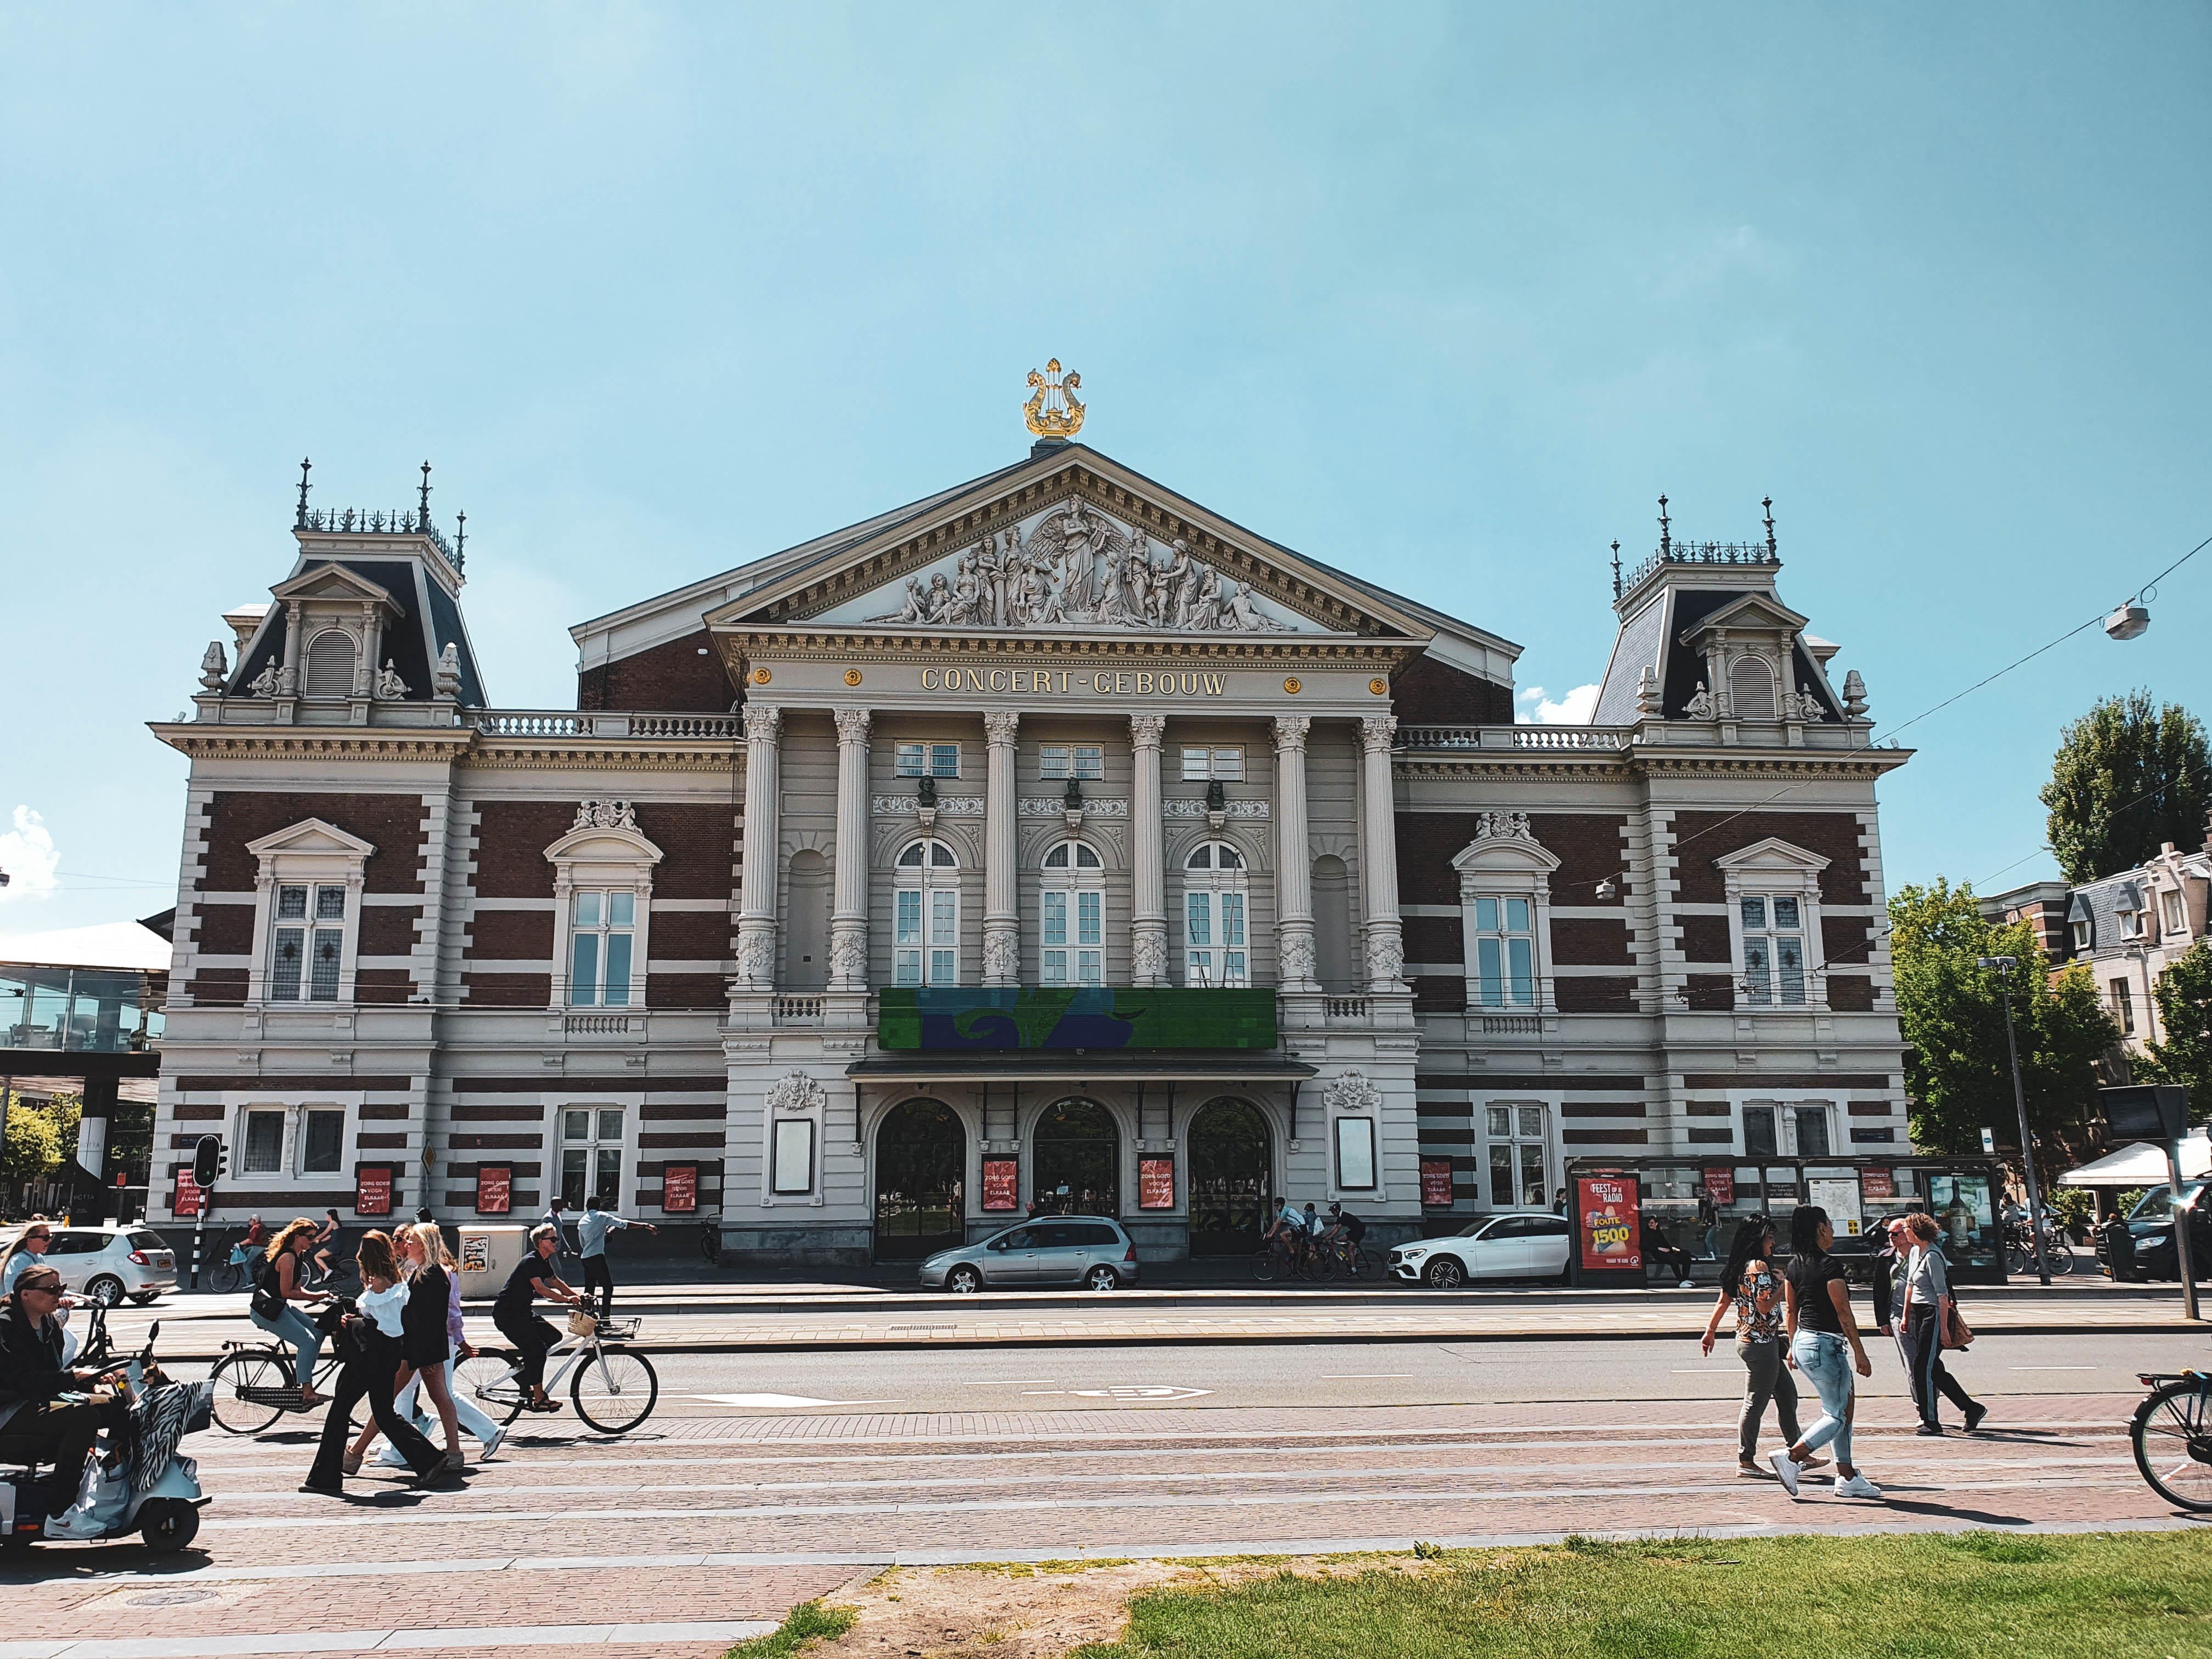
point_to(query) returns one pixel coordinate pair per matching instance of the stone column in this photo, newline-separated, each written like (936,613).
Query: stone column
(1002,921)
(1294,919)
(848,914)
(288,681)
(757,893)
(1148,920)
(1378,857)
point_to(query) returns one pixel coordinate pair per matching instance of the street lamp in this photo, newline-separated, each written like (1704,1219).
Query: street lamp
(2002,967)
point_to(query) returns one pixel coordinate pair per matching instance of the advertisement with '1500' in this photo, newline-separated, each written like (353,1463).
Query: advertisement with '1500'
(1608,1222)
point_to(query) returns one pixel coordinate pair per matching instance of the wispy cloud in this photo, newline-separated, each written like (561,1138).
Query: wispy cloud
(28,854)
(1572,709)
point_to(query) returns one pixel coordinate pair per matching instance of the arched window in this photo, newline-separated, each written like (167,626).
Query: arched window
(1213,893)
(1751,689)
(329,664)
(925,927)
(1072,916)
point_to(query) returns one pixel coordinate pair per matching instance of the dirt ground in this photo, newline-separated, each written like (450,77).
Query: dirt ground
(1033,1612)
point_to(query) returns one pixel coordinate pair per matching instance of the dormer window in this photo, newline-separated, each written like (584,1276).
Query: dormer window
(2130,912)
(2177,913)
(2082,922)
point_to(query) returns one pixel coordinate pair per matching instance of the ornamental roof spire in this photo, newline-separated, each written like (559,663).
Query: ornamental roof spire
(1052,411)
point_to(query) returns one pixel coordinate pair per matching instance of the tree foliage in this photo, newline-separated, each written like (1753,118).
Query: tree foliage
(2183,994)
(2126,779)
(32,1149)
(1952,1013)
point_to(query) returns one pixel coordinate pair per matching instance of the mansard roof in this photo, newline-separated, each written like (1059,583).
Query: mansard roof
(423,616)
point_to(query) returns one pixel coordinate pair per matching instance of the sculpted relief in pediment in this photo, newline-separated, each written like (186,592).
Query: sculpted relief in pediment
(1075,567)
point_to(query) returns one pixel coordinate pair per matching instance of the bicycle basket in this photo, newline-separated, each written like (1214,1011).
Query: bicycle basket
(581,1324)
(618,1330)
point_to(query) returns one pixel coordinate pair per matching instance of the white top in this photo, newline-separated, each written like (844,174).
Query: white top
(383,1307)
(19,1264)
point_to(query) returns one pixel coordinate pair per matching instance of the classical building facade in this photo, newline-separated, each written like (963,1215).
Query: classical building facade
(1050,841)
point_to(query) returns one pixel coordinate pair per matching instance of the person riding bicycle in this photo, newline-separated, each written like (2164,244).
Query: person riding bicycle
(330,1241)
(278,1283)
(533,1277)
(1287,1232)
(1346,1232)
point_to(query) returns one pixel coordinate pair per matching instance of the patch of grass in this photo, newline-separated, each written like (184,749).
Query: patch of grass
(804,1622)
(1921,1597)
(1031,1569)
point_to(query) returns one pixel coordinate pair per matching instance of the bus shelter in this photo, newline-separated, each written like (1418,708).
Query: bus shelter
(1697,1204)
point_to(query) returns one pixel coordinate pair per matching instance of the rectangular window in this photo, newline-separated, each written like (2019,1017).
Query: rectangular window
(1759,1136)
(304,958)
(1518,1141)
(599,947)
(906,939)
(2177,918)
(285,958)
(265,1144)
(1812,1132)
(944,937)
(934,760)
(1203,765)
(793,1170)
(322,1143)
(1355,1152)
(592,1154)
(1504,952)
(1059,761)
(1773,951)
(323,982)
(2124,1005)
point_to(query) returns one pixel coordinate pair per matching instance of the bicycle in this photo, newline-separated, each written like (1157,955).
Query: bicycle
(2020,1251)
(710,1242)
(1280,1260)
(2173,1436)
(233,1270)
(1341,1255)
(254,1386)
(614,1387)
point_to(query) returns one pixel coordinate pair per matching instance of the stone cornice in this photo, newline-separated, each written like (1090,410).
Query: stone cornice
(1583,767)
(211,742)
(499,754)
(858,643)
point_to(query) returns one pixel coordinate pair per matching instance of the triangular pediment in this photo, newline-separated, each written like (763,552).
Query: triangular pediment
(1073,543)
(1753,610)
(312,837)
(1772,854)
(333,581)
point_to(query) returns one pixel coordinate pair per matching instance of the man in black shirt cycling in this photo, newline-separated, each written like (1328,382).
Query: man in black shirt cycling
(1344,1234)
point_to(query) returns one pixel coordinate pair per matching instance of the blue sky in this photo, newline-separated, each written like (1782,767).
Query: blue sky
(1444,294)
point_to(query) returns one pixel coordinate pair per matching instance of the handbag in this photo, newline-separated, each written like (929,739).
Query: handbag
(1957,1334)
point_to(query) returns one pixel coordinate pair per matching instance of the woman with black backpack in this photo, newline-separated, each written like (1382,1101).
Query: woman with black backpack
(279,1282)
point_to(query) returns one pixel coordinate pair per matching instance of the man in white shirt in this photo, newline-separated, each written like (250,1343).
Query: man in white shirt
(591,1236)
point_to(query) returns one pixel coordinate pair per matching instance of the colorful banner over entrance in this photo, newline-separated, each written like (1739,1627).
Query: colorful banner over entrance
(1073,1017)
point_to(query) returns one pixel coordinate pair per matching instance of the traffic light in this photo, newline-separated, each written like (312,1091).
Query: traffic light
(208,1160)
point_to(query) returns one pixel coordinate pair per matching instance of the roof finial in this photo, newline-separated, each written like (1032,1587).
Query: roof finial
(299,518)
(1768,503)
(1052,411)
(461,541)
(424,498)
(1666,535)
(1616,569)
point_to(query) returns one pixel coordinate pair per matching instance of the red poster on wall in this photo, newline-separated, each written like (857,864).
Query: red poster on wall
(679,1188)
(1877,1183)
(1001,1183)
(372,1189)
(1720,1187)
(187,1198)
(495,1188)
(1155,1183)
(1609,1222)
(1437,1183)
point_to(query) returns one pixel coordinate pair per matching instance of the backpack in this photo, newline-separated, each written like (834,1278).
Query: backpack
(267,1300)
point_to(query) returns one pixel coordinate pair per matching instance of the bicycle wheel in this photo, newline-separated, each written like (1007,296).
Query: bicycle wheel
(247,1382)
(486,1379)
(1365,1264)
(2060,1255)
(1263,1266)
(2172,1435)
(614,1390)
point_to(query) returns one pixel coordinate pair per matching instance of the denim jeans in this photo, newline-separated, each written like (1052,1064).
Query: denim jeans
(306,1339)
(1825,1359)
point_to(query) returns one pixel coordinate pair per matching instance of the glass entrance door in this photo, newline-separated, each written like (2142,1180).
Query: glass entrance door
(921,1198)
(1231,1157)
(1076,1167)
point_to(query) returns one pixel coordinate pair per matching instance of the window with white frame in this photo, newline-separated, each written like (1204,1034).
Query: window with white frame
(1214,895)
(1072,916)
(1504,953)
(261,1142)
(601,935)
(2124,1005)
(306,943)
(926,916)
(1518,1140)
(929,760)
(2084,932)
(2177,912)
(1773,950)
(1058,761)
(1203,765)
(2130,912)
(322,1140)
(592,1143)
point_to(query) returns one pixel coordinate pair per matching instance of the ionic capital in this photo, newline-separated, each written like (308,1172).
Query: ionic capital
(1291,731)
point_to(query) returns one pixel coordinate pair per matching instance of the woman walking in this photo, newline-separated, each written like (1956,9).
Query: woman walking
(23,1255)
(279,1284)
(433,1318)
(372,1372)
(1750,1285)
(1927,1313)
(1824,1344)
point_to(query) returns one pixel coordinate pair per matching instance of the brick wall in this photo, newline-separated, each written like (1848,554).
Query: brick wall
(510,936)
(699,848)
(674,677)
(511,837)
(386,930)
(393,825)
(1426,692)
(1706,939)
(1701,837)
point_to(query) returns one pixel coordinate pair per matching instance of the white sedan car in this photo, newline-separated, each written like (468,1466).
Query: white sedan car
(1496,1246)
(108,1263)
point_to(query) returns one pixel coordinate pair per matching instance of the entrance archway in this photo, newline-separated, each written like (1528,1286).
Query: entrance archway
(921,1157)
(1231,1156)
(1076,1146)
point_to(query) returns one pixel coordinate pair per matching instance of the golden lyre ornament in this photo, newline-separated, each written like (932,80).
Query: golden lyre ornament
(1052,411)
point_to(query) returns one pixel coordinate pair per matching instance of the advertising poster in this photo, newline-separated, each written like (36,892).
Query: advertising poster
(1609,1222)
(1877,1183)
(679,1188)
(372,1189)
(495,1188)
(1155,1183)
(187,1201)
(1001,1183)
(1720,1187)
(476,1254)
(1437,1183)
(1840,1199)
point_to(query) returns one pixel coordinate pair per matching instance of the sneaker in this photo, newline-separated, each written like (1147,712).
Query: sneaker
(1930,1428)
(1785,1470)
(1858,1486)
(1975,1413)
(390,1458)
(1687,1285)
(491,1445)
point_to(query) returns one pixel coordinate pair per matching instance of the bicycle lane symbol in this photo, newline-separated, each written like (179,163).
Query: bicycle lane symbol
(1126,1391)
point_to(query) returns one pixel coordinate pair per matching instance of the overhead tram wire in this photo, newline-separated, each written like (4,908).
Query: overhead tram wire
(2146,589)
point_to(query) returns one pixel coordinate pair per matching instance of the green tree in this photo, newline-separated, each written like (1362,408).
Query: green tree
(32,1150)
(1952,1013)
(2126,779)
(2184,1055)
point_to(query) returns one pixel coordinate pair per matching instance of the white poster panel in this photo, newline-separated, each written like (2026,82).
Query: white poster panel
(1840,1199)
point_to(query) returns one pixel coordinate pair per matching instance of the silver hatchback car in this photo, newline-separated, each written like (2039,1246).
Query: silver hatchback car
(1087,1251)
